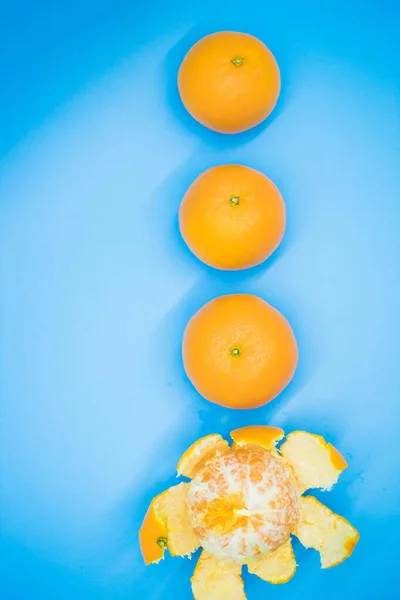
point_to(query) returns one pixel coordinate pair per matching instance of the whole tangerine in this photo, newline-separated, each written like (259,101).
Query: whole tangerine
(239,351)
(229,81)
(232,217)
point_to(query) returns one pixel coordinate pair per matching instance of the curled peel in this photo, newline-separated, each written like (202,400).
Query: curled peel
(199,453)
(316,463)
(167,525)
(263,435)
(275,567)
(321,529)
(215,579)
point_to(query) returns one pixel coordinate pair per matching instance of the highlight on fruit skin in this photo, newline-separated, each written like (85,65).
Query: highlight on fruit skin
(243,504)
(229,81)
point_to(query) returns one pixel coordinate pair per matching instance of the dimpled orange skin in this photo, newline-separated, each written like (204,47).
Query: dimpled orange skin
(232,217)
(239,352)
(229,81)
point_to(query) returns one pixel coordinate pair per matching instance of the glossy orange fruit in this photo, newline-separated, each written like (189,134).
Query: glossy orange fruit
(229,81)
(232,217)
(239,352)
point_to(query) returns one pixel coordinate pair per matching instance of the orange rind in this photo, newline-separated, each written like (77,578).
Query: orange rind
(266,436)
(316,463)
(242,506)
(167,525)
(153,535)
(275,567)
(331,535)
(215,579)
(199,453)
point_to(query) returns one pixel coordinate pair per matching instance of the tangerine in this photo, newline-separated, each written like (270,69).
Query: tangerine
(229,81)
(232,217)
(239,352)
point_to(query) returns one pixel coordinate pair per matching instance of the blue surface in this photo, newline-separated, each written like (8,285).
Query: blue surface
(96,285)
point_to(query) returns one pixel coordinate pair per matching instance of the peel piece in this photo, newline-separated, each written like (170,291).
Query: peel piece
(215,579)
(275,567)
(266,436)
(321,529)
(167,525)
(153,535)
(199,453)
(316,463)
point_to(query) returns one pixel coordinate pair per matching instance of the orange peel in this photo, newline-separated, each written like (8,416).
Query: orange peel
(275,567)
(216,579)
(153,535)
(167,525)
(243,504)
(266,436)
(328,533)
(199,453)
(315,462)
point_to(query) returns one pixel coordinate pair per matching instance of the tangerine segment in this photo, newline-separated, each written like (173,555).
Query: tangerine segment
(323,530)
(232,217)
(316,463)
(239,352)
(243,504)
(216,579)
(200,453)
(167,525)
(275,567)
(263,435)
(229,81)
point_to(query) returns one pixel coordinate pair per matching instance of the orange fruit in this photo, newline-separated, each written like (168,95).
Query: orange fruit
(229,81)
(238,351)
(232,217)
(243,504)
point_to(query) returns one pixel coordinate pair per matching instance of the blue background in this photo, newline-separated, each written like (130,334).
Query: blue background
(97,286)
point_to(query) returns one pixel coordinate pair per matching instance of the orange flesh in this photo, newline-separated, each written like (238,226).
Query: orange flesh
(243,504)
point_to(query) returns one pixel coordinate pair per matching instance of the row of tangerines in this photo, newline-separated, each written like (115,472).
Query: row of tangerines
(238,351)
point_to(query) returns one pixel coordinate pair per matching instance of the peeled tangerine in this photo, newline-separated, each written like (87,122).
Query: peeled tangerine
(242,505)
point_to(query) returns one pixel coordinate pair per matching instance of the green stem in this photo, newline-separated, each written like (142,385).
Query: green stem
(162,542)
(234,201)
(237,61)
(235,351)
